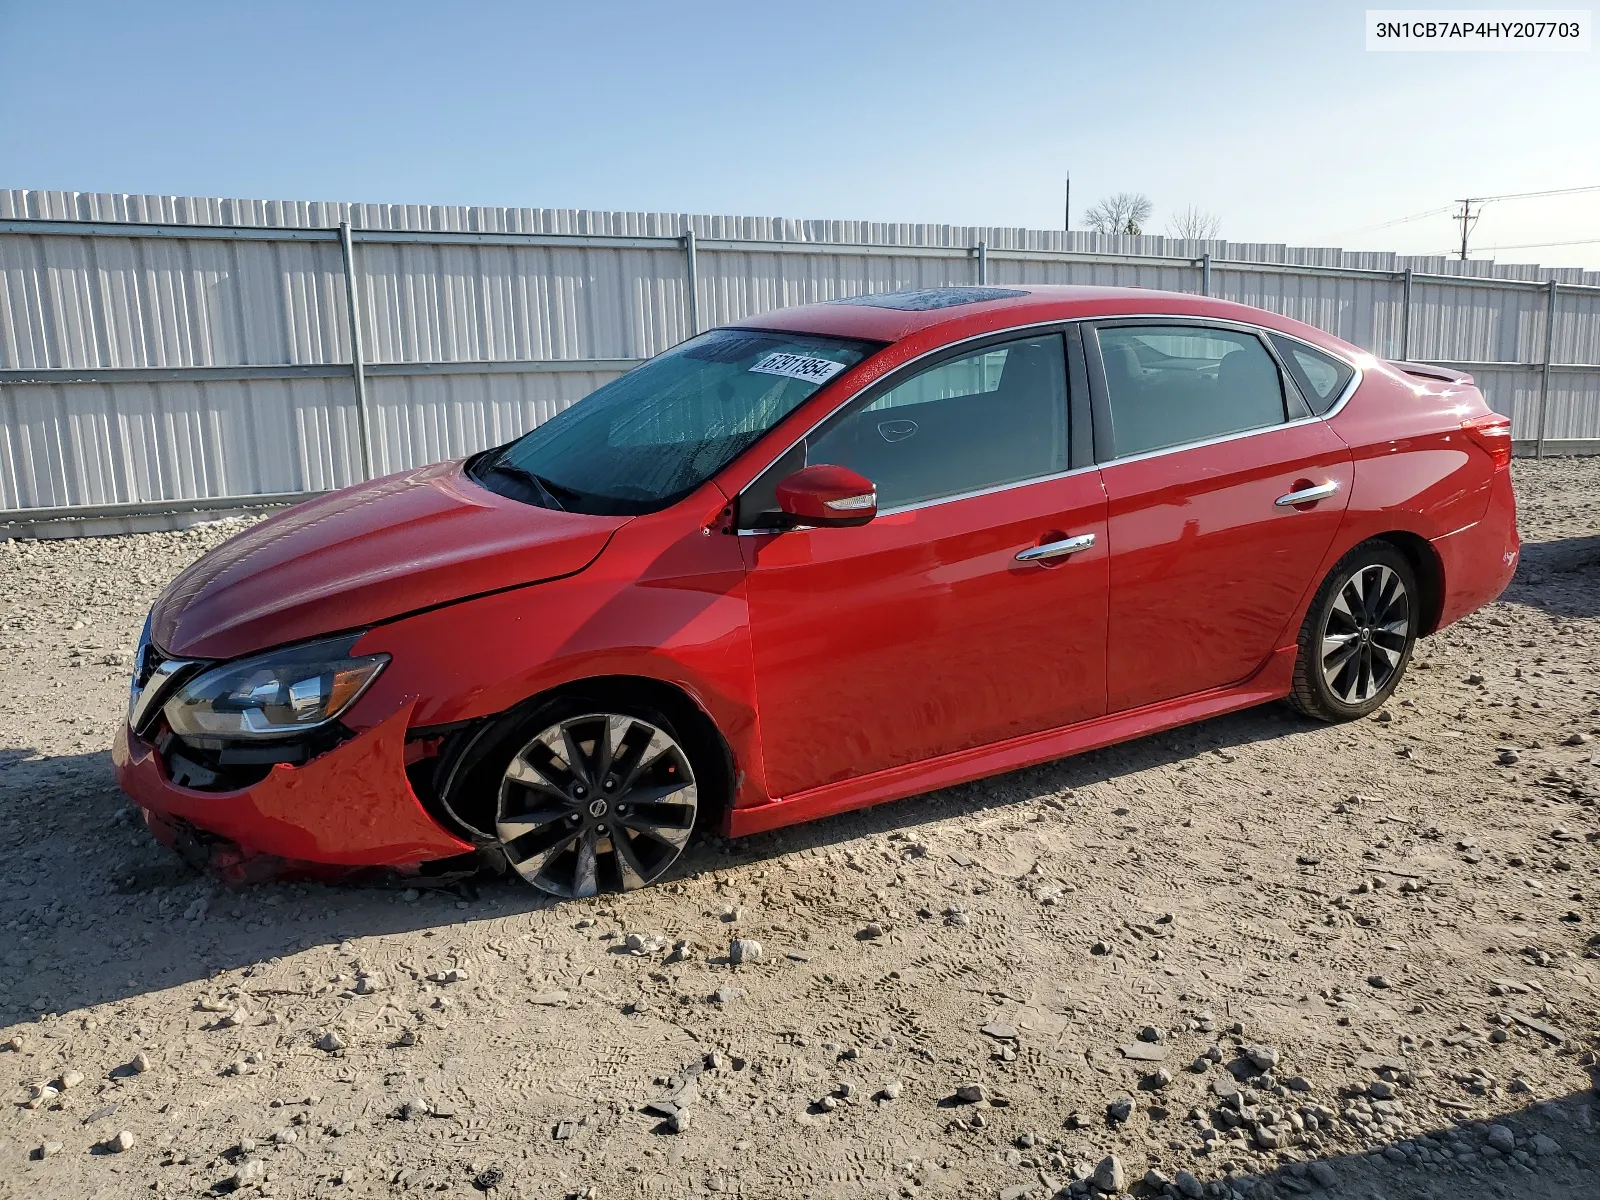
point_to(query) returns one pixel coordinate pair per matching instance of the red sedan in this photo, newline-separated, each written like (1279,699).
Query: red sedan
(836,555)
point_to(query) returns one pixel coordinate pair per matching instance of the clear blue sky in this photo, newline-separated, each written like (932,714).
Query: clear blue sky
(1271,115)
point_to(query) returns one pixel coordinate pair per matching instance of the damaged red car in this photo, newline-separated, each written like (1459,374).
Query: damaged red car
(836,555)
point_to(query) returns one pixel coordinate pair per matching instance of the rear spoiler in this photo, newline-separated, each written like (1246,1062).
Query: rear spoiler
(1431,371)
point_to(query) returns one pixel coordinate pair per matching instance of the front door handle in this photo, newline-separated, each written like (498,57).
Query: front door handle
(1309,495)
(1049,550)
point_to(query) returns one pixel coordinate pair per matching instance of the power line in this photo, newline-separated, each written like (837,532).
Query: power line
(1468,219)
(1532,195)
(1432,212)
(1544,245)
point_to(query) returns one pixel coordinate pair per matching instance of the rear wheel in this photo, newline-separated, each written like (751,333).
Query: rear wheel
(1357,636)
(593,801)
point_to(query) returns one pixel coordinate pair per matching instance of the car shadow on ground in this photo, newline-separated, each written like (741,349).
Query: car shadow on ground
(94,911)
(1560,577)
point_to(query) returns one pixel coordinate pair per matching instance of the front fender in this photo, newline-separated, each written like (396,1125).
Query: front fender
(677,615)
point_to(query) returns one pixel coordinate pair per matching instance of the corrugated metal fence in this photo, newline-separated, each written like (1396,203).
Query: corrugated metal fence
(161,350)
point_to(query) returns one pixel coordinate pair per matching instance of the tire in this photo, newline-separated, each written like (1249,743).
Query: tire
(591,794)
(1358,635)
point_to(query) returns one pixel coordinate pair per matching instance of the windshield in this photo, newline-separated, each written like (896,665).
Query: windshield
(652,436)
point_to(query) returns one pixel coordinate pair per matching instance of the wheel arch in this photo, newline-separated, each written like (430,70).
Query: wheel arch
(1429,572)
(690,720)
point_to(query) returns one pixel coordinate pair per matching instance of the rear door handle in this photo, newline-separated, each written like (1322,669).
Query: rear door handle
(1071,545)
(1308,495)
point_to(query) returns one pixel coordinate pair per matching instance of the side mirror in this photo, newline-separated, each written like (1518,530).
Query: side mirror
(828,497)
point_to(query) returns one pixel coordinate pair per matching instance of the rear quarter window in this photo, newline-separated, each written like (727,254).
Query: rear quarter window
(1320,377)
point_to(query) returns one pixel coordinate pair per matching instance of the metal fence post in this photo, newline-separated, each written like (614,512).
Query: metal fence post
(1544,371)
(1205,274)
(1405,319)
(983,262)
(691,296)
(358,366)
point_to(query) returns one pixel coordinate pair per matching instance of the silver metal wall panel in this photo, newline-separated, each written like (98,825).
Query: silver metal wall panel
(1021,272)
(737,284)
(1477,324)
(1577,328)
(150,302)
(86,206)
(1574,405)
(1366,312)
(459,303)
(112,301)
(419,419)
(91,444)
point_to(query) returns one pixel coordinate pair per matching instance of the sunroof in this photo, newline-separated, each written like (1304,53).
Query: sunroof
(924,299)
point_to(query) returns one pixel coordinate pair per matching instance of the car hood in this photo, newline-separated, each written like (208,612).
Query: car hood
(365,554)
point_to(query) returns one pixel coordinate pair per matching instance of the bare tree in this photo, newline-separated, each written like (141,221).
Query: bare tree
(1126,212)
(1194,223)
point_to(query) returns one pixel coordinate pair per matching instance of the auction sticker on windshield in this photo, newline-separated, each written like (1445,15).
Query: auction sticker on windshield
(798,366)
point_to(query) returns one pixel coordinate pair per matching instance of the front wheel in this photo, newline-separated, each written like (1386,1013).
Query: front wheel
(1357,636)
(594,801)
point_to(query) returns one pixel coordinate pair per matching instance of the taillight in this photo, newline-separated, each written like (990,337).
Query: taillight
(1492,431)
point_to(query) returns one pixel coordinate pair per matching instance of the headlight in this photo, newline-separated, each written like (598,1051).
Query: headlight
(274,695)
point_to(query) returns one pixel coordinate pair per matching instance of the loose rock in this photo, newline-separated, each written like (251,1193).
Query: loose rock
(1264,1058)
(1110,1175)
(1502,1139)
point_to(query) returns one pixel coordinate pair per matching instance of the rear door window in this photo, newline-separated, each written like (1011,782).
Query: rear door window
(1169,385)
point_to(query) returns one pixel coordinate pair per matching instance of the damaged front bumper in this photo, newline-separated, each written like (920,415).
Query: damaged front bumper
(350,807)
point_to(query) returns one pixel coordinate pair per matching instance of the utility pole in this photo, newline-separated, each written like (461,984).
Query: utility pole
(1468,219)
(1066,221)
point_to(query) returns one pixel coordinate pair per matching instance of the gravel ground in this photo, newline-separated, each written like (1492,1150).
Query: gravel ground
(1254,957)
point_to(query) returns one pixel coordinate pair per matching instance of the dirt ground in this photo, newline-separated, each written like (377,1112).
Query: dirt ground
(1381,941)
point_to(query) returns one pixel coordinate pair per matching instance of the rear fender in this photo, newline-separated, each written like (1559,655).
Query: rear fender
(1428,481)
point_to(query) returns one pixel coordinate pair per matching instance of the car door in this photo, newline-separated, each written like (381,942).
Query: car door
(923,632)
(1203,443)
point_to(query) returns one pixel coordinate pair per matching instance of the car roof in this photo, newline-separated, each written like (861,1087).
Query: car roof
(963,311)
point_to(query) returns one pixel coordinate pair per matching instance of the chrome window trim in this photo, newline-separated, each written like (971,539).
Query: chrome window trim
(1261,332)
(1215,441)
(988,491)
(1061,323)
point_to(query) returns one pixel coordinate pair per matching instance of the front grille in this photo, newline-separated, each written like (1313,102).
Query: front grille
(145,665)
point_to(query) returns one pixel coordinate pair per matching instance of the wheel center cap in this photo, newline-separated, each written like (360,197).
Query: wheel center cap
(597,808)
(1366,636)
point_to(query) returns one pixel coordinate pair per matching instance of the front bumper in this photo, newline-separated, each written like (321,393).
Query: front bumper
(352,806)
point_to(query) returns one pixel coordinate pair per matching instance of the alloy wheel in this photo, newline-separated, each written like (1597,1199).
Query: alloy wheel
(596,802)
(1364,639)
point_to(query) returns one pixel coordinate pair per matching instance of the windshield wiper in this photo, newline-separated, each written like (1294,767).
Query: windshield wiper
(547,488)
